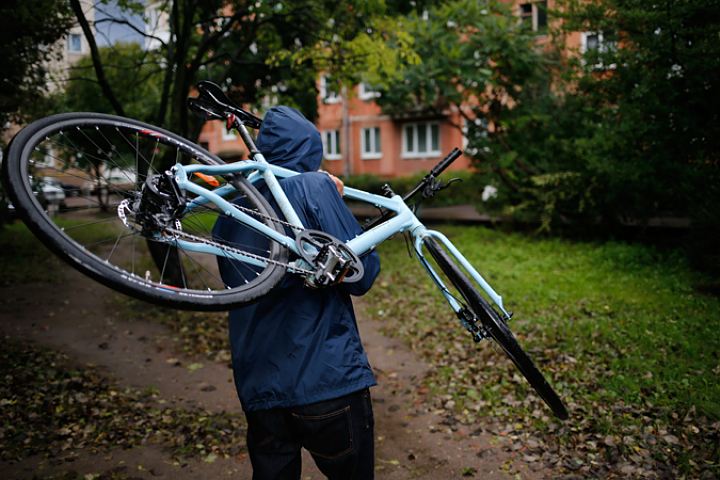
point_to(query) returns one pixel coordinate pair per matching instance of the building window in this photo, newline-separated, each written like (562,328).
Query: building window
(534,16)
(331,144)
(327,94)
(596,44)
(421,140)
(75,43)
(366,92)
(370,139)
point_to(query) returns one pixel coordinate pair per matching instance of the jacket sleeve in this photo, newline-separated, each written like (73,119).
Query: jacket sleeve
(334,217)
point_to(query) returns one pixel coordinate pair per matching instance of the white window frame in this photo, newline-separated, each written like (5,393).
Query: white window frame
(331,144)
(603,47)
(70,43)
(535,15)
(328,96)
(416,153)
(366,92)
(374,150)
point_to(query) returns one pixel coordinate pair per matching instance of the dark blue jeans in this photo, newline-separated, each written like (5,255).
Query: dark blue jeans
(338,434)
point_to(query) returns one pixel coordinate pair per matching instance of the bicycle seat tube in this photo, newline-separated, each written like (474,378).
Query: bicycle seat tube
(272,182)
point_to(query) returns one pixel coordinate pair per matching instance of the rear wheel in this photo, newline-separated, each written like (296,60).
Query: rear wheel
(496,327)
(71,178)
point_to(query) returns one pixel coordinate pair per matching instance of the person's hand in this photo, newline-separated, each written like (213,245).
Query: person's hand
(338,183)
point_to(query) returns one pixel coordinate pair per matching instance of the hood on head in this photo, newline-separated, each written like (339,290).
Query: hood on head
(289,140)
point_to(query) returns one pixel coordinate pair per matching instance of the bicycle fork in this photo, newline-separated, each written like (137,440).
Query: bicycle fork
(467,318)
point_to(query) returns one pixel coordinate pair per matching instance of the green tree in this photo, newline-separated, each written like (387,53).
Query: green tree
(654,92)
(252,48)
(139,92)
(478,60)
(28,31)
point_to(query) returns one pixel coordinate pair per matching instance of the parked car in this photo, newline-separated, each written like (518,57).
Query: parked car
(50,193)
(116,181)
(70,190)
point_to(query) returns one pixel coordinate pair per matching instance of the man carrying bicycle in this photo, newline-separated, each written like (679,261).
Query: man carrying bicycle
(300,369)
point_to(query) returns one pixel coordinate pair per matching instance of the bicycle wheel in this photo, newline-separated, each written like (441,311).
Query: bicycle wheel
(68,174)
(496,327)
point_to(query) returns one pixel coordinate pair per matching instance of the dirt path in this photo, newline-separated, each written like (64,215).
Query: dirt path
(75,317)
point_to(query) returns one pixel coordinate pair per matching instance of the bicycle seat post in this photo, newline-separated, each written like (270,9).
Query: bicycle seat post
(234,122)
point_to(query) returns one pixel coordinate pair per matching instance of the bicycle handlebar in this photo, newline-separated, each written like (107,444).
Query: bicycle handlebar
(428,179)
(434,172)
(446,162)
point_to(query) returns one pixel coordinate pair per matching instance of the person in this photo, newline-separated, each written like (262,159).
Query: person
(299,366)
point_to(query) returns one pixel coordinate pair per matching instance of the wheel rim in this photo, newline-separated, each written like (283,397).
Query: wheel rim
(78,172)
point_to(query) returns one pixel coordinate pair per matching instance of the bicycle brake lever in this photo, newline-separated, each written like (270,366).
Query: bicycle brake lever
(436,185)
(443,186)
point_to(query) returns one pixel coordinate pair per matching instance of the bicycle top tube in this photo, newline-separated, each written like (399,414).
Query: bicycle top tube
(404,219)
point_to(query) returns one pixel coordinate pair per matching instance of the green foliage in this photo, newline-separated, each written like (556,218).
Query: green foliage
(474,54)
(629,130)
(139,93)
(655,93)
(468,191)
(259,51)
(355,41)
(28,30)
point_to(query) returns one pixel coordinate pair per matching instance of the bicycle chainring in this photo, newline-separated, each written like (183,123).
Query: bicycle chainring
(332,260)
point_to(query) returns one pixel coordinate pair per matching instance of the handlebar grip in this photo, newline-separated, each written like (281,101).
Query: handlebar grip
(446,162)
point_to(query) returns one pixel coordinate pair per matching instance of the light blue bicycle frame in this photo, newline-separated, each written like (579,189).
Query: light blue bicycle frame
(258,168)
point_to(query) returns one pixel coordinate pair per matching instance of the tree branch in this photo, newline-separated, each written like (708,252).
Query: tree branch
(95,55)
(136,29)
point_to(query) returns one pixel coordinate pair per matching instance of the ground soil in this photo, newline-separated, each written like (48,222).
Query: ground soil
(75,317)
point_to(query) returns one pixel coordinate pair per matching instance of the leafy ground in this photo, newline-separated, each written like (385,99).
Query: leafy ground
(198,333)
(91,325)
(618,329)
(53,408)
(24,259)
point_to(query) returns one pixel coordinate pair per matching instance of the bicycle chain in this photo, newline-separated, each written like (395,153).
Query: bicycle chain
(227,248)
(177,232)
(268,217)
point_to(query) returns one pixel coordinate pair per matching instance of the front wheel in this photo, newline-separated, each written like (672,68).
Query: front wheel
(94,166)
(496,327)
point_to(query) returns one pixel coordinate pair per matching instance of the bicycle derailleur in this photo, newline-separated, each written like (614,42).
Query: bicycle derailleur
(332,261)
(156,208)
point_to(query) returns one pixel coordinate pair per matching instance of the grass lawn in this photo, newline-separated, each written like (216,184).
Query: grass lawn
(23,258)
(617,328)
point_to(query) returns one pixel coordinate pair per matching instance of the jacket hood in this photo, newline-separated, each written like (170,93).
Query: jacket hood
(289,140)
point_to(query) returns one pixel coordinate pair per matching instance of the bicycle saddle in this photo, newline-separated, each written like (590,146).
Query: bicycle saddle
(213,103)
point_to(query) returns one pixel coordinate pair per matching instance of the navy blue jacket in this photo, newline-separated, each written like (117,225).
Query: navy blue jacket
(298,345)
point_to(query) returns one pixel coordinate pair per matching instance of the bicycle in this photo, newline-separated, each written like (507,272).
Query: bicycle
(148,200)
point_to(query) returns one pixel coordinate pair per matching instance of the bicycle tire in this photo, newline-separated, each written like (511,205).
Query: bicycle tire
(85,148)
(497,328)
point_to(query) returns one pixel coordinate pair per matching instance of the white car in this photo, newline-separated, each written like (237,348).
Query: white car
(52,190)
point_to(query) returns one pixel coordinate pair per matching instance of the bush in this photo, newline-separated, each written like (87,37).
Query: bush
(467,191)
